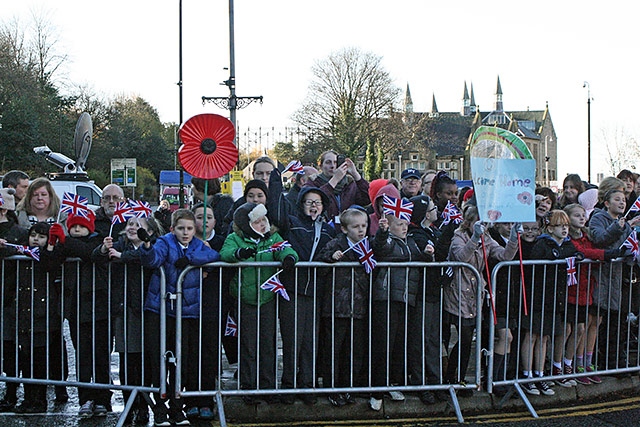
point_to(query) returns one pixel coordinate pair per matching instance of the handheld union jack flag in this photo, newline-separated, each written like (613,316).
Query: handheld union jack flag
(294,166)
(26,250)
(274,285)
(397,207)
(74,205)
(365,255)
(122,213)
(140,209)
(231,328)
(571,271)
(632,244)
(451,213)
(635,207)
(278,246)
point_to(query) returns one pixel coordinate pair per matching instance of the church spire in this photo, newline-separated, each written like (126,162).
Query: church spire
(434,106)
(466,102)
(472,103)
(498,105)
(408,102)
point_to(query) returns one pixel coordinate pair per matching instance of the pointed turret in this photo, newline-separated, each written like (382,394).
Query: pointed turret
(408,102)
(434,106)
(472,103)
(498,105)
(466,102)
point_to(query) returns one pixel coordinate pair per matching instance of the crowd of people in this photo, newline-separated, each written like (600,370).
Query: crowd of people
(404,315)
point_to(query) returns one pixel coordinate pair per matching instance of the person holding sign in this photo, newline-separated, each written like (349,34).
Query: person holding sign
(469,244)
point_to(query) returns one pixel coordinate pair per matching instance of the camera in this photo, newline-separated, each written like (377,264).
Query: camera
(341,159)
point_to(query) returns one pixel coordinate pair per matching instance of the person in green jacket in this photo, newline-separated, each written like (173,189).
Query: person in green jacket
(251,241)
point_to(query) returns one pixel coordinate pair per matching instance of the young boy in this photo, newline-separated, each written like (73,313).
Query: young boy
(344,309)
(250,241)
(394,297)
(84,308)
(174,252)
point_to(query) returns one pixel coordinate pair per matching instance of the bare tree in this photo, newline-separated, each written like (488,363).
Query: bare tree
(623,151)
(348,100)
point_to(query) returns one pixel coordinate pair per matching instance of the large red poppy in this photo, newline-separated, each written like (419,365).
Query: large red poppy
(207,149)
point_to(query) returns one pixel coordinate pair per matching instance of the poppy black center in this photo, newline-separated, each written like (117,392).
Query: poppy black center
(208,146)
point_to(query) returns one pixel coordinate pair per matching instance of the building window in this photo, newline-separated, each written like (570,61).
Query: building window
(414,157)
(454,165)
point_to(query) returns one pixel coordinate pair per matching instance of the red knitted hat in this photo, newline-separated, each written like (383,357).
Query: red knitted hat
(79,220)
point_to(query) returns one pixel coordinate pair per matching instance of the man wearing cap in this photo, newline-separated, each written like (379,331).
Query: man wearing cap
(411,184)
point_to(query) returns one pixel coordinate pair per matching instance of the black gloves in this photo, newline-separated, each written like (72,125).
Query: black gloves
(245,253)
(143,235)
(288,263)
(181,262)
(612,254)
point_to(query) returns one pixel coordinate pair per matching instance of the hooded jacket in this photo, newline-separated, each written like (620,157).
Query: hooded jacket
(164,253)
(606,233)
(301,231)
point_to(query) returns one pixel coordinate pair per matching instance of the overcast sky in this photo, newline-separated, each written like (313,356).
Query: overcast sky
(543,52)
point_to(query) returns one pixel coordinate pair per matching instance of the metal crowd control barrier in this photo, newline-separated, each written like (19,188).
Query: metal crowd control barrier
(314,286)
(44,313)
(601,324)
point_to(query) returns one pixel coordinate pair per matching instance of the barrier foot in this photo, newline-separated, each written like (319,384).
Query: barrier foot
(127,408)
(456,405)
(221,416)
(525,399)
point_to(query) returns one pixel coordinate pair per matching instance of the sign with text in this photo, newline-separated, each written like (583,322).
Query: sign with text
(123,172)
(504,189)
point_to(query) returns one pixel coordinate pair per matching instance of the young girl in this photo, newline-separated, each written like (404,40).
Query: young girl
(608,230)
(129,285)
(580,296)
(460,295)
(572,187)
(36,300)
(251,240)
(550,284)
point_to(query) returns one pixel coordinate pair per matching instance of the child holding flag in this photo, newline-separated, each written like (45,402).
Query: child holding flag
(609,229)
(580,297)
(472,245)
(84,307)
(344,309)
(252,241)
(129,286)
(394,298)
(36,299)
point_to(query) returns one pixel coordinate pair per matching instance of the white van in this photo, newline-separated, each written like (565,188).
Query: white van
(77,184)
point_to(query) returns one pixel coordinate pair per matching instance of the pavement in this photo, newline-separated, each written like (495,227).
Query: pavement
(480,402)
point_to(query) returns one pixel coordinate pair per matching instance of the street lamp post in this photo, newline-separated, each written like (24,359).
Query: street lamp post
(586,84)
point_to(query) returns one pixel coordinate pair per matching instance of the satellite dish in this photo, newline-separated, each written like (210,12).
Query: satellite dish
(82,140)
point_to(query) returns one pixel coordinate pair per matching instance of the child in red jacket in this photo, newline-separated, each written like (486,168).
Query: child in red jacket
(580,297)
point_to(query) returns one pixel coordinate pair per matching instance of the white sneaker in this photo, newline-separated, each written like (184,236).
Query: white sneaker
(375,404)
(396,395)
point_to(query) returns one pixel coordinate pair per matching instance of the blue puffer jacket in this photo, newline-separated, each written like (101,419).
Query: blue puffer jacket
(164,253)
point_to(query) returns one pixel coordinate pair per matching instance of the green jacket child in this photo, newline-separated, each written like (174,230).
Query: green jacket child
(251,236)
